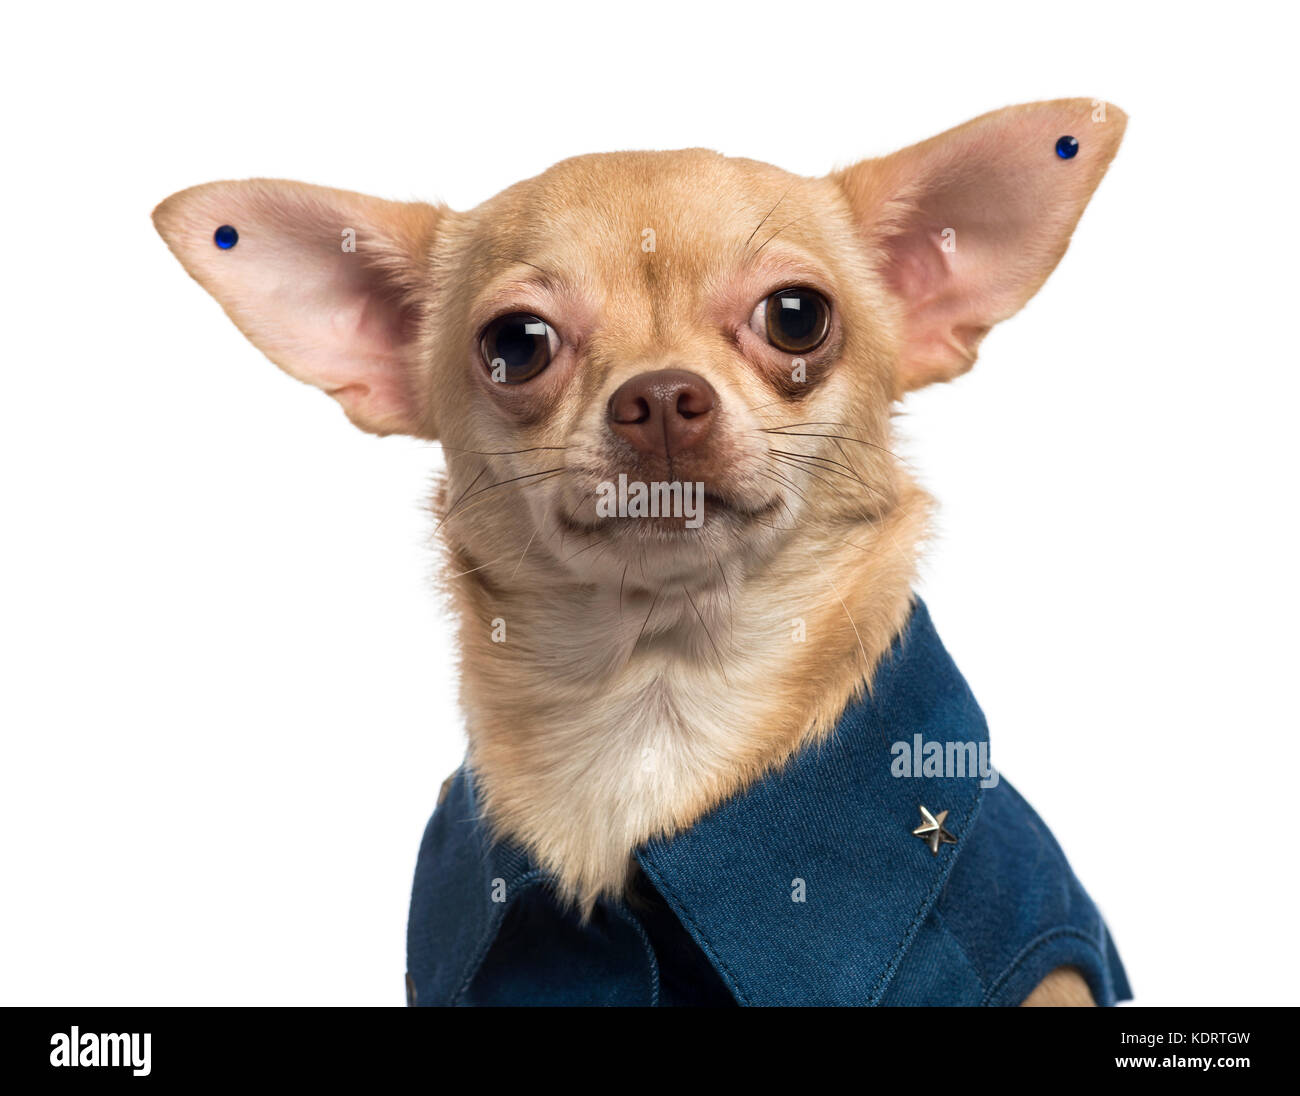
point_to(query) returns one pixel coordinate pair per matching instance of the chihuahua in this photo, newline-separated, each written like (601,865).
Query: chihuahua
(680,551)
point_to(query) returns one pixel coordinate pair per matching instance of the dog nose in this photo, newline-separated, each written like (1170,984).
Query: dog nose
(663,412)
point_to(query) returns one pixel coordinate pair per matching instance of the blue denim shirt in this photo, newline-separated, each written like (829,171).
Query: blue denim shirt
(807,889)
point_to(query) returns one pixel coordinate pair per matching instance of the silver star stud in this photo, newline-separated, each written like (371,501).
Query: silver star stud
(932,831)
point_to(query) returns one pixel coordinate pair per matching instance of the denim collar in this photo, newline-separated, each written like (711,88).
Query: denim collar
(837,819)
(809,886)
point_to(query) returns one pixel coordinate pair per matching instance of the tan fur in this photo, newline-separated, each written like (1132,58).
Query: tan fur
(587,741)
(645,678)
(1063,988)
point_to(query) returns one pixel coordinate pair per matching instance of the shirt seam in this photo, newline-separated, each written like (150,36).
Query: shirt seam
(631,918)
(521,884)
(705,945)
(926,906)
(1037,942)
(975,969)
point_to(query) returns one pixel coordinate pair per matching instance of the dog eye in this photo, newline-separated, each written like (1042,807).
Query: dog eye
(794,320)
(517,347)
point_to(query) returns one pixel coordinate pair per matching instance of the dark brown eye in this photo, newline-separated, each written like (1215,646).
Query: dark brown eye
(518,347)
(795,321)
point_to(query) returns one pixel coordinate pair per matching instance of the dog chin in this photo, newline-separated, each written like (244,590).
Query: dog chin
(717,522)
(648,553)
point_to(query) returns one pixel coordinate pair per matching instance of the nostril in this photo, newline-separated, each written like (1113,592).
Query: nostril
(629,410)
(663,411)
(639,411)
(692,403)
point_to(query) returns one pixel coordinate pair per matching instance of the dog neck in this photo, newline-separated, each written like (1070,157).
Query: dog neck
(597,720)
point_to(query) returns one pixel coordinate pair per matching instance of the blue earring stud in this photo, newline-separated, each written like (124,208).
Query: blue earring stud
(225,237)
(1066,147)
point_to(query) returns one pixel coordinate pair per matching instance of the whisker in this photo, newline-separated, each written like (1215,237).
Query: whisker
(653,602)
(564,530)
(778,232)
(547,472)
(579,552)
(516,479)
(762,406)
(502,452)
(780,477)
(782,528)
(804,469)
(836,437)
(721,665)
(726,586)
(774,527)
(834,470)
(767,215)
(461,499)
(847,459)
(462,574)
(814,422)
(822,460)
(866,661)
(525,552)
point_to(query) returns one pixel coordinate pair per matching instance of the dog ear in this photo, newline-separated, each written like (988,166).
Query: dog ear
(326,283)
(966,226)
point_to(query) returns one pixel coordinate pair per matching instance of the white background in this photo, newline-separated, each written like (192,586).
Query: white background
(226,689)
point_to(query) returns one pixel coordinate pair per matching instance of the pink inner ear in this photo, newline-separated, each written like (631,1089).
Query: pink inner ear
(326,315)
(973,221)
(360,358)
(941,324)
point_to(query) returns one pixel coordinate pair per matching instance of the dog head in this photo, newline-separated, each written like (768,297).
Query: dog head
(643,365)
